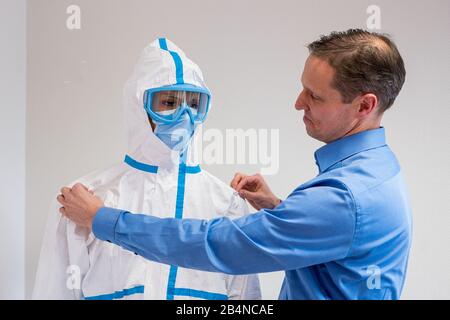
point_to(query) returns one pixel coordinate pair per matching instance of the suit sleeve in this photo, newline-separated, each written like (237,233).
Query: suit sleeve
(62,260)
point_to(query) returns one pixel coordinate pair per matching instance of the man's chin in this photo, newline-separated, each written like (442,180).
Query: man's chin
(313,133)
(309,129)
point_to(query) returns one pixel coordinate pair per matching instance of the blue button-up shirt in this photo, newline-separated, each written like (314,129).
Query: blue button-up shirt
(345,234)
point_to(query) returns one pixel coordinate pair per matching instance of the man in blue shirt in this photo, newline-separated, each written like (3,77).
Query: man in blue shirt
(345,234)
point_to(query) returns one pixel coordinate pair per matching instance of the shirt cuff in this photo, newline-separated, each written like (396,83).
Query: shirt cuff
(104,223)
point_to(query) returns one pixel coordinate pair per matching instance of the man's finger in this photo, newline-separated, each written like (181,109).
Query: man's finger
(237,177)
(65,191)
(247,195)
(246,181)
(62,210)
(61,199)
(241,184)
(79,186)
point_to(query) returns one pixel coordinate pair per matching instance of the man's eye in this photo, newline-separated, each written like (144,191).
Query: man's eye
(314,96)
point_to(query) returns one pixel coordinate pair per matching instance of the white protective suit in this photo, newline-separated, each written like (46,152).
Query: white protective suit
(152,180)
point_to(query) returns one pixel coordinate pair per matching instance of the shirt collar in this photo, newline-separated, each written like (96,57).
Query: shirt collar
(338,150)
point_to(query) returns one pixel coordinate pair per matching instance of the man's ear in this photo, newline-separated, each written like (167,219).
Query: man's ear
(368,103)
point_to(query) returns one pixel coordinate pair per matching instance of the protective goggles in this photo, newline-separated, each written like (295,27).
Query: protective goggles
(167,104)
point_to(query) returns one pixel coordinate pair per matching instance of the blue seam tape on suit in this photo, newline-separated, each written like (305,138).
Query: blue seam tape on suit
(199,294)
(154,169)
(178,215)
(176,59)
(172,291)
(139,165)
(118,294)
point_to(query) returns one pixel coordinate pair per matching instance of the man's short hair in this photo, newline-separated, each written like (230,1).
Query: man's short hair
(364,62)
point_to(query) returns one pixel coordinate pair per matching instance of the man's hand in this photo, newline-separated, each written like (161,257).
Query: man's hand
(255,190)
(79,204)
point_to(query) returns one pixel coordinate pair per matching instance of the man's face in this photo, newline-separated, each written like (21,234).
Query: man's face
(326,117)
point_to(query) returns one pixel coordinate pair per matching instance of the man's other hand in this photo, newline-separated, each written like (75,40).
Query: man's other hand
(255,190)
(79,204)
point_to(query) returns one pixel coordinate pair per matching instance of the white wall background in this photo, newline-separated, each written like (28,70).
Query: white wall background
(252,54)
(12,142)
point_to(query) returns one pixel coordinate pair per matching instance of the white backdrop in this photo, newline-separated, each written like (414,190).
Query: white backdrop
(252,55)
(12,142)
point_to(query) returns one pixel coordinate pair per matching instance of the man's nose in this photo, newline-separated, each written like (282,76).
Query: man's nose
(300,104)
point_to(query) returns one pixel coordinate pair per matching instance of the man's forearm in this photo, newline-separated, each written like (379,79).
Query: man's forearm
(218,245)
(170,241)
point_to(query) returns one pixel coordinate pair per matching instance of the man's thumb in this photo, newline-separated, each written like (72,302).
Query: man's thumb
(247,194)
